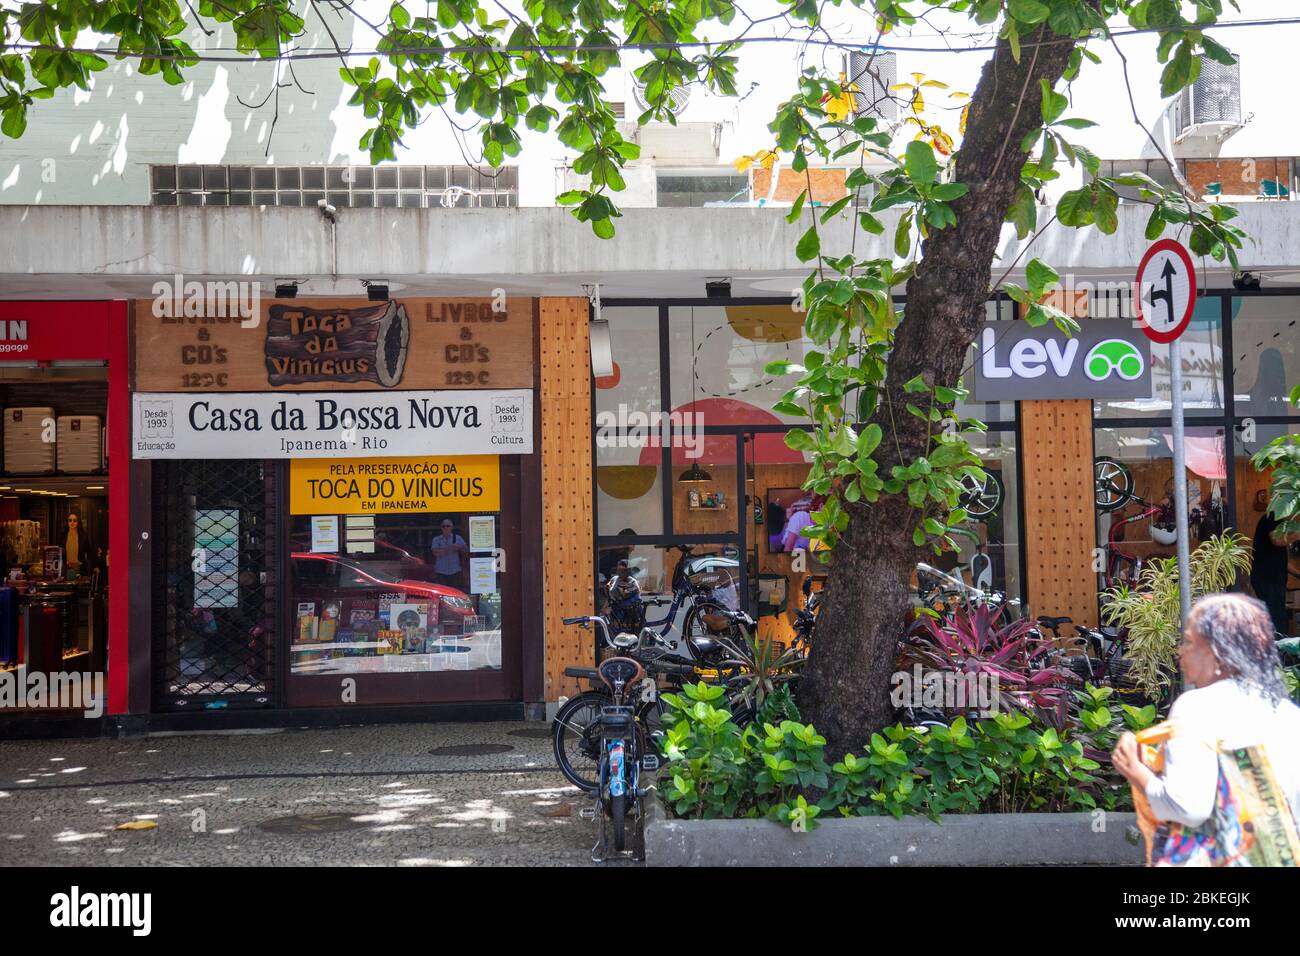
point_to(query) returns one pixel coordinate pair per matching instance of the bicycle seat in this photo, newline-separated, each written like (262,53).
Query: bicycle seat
(1053,623)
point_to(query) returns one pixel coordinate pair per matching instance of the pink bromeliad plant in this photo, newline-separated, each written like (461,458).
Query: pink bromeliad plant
(972,640)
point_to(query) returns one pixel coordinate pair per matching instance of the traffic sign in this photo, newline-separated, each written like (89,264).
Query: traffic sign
(1166,291)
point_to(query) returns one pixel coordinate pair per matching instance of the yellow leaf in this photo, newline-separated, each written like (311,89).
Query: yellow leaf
(743,164)
(935,83)
(918,104)
(961,123)
(838,107)
(137,825)
(899,87)
(959,96)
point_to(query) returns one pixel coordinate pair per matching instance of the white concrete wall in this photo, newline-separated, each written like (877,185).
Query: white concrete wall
(116,251)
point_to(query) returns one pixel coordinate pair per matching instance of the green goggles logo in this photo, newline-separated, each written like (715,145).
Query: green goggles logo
(1112,356)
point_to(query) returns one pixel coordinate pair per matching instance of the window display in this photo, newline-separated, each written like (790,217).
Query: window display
(399,593)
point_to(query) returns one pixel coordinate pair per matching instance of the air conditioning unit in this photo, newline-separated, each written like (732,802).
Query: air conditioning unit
(1211,107)
(873,74)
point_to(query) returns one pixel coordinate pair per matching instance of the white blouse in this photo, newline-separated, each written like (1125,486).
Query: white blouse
(1224,711)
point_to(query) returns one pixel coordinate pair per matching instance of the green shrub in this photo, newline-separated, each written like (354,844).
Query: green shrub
(1003,764)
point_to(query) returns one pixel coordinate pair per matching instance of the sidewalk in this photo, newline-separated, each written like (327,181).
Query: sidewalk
(353,796)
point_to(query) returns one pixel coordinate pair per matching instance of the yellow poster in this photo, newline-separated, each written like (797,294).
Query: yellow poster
(352,486)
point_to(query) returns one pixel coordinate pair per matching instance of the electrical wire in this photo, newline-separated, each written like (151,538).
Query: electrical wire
(319,53)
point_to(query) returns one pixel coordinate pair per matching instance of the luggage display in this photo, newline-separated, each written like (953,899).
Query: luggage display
(25,450)
(80,444)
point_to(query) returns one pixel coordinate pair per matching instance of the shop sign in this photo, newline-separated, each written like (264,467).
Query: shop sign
(1104,359)
(332,424)
(53,331)
(304,344)
(353,486)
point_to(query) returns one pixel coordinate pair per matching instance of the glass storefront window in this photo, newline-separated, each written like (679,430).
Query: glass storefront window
(718,357)
(1130,536)
(1203,363)
(1275,580)
(629,485)
(395,593)
(633,389)
(989,550)
(1266,359)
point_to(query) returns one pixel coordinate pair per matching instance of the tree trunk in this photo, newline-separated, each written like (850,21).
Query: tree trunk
(845,690)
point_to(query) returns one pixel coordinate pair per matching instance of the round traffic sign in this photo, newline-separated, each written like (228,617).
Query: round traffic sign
(1166,291)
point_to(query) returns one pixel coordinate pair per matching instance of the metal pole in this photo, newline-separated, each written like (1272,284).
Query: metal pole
(1180,480)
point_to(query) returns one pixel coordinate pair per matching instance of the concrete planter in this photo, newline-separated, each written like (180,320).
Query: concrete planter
(989,839)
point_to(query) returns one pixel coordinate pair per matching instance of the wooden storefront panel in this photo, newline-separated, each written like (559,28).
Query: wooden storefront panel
(1060,525)
(567,528)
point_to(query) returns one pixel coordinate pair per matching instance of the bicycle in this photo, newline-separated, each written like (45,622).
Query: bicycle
(574,740)
(622,746)
(574,731)
(699,584)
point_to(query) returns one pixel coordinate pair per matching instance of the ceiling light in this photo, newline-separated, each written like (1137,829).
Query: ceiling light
(377,292)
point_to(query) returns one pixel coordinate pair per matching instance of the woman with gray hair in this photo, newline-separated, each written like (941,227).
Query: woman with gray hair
(1235,699)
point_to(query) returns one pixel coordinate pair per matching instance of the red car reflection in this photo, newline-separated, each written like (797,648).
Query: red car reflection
(329,572)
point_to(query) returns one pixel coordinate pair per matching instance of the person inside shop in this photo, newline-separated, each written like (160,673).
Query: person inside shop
(1235,699)
(1269,570)
(78,552)
(450,553)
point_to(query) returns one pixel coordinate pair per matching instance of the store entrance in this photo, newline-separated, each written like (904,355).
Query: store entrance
(395,600)
(54,527)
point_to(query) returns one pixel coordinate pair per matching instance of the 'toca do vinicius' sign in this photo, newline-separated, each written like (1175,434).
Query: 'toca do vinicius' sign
(1106,358)
(331,425)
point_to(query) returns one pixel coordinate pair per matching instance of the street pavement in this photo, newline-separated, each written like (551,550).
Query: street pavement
(351,796)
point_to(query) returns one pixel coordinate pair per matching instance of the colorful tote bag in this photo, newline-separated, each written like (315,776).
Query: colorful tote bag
(1251,824)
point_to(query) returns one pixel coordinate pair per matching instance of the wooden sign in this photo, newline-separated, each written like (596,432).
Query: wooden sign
(316,344)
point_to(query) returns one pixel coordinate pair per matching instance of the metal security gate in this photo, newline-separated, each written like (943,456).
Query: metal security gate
(215,598)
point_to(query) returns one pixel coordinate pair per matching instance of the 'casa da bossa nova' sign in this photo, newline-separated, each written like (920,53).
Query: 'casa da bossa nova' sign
(1106,358)
(331,424)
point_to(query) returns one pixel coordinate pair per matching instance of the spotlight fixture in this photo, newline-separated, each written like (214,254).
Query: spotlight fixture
(377,292)
(286,290)
(718,287)
(1245,281)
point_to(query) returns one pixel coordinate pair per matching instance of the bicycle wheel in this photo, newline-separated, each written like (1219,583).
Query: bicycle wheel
(981,499)
(575,741)
(618,820)
(1113,484)
(705,624)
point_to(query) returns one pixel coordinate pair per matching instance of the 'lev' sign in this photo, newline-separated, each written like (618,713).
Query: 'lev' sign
(1106,358)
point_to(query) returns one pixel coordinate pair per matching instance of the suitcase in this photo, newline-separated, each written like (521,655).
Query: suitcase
(80,444)
(26,451)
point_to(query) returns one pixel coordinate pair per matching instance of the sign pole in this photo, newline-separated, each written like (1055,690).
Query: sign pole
(1180,481)
(1165,296)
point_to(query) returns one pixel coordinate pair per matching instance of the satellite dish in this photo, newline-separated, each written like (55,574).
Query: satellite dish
(677,98)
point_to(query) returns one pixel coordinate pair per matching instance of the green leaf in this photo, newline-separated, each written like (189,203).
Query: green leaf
(1041,277)
(920,163)
(809,246)
(1029,12)
(869,439)
(799,440)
